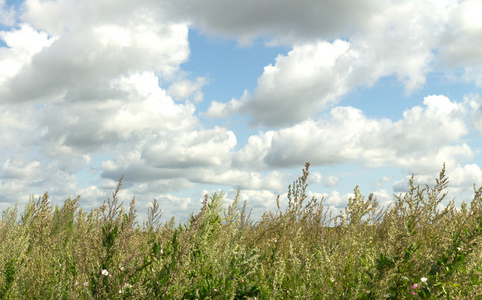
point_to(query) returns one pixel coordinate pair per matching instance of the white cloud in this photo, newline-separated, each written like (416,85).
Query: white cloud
(335,200)
(461,181)
(80,86)
(461,41)
(314,76)
(466,175)
(304,81)
(422,139)
(464,35)
(383,197)
(186,89)
(330,181)
(394,40)
(283,21)
(23,44)
(91,51)
(191,149)
(7,14)
(143,112)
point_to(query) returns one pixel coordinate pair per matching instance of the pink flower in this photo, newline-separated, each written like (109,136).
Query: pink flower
(415,286)
(413,293)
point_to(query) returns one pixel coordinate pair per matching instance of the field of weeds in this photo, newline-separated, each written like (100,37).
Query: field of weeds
(409,250)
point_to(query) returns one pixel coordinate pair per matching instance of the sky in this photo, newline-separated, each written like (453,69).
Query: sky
(187,97)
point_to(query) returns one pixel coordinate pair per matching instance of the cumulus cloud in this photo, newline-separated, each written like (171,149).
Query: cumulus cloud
(185,89)
(394,40)
(283,21)
(7,14)
(104,59)
(97,88)
(463,35)
(462,178)
(421,139)
(143,112)
(315,76)
(193,149)
(69,71)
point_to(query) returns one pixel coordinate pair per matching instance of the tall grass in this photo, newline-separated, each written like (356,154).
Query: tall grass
(409,250)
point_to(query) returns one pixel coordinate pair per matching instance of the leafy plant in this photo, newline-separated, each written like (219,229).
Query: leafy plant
(408,250)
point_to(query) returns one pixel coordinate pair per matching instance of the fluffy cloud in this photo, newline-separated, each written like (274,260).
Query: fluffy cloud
(283,21)
(462,179)
(96,90)
(7,14)
(68,71)
(81,80)
(143,112)
(186,89)
(346,135)
(193,149)
(395,40)
(314,76)
(463,36)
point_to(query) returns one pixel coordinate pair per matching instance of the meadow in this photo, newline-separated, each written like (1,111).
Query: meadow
(412,249)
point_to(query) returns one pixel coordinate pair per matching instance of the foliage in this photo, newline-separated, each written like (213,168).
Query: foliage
(413,249)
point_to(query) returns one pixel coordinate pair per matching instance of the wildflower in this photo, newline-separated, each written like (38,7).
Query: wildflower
(458,248)
(332,279)
(415,286)
(423,279)
(242,280)
(86,283)
(413,293)
(121,268)
(76,283)
(105,273)
(346,253)
(215,290)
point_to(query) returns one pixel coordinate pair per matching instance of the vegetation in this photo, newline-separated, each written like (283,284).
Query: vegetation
(409,250)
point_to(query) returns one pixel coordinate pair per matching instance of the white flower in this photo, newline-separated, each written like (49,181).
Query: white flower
(105,273)
(423,279)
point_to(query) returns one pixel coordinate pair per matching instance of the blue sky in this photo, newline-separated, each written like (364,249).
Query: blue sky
(191,97)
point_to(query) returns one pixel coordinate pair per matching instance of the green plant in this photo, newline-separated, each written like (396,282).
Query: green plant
(411,249)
